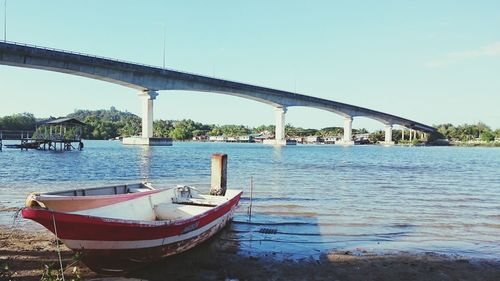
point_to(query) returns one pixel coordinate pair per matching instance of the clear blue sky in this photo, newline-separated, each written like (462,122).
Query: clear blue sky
(430,61)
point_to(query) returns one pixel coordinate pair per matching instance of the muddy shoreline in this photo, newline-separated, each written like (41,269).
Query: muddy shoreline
(26,253)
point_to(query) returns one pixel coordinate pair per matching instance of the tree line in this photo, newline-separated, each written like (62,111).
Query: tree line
(107,124)
(466,132)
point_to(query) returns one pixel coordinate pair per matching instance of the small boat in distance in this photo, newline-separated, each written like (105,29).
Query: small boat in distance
(122,236)
(82,199)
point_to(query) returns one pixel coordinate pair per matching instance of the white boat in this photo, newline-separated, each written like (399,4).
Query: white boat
(122,236)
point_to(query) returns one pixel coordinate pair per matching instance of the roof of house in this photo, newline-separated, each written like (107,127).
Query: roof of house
(61,121)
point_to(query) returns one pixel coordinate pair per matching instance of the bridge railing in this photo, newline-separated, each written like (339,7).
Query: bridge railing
(113,59)
(79,53)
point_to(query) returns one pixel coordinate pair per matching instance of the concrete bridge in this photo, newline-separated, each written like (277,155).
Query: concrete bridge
(148,80)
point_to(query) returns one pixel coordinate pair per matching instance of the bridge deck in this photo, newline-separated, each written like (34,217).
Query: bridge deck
(144,77)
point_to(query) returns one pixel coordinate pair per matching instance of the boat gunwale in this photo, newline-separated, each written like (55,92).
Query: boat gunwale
(145,184)
(37,212)
(56,197)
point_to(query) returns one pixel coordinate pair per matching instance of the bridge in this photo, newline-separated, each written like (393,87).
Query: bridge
(148,80)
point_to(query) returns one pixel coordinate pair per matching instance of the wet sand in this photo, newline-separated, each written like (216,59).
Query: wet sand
(25,252)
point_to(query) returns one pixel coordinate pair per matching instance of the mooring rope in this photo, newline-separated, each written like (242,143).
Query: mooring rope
(15,222)
(57,244)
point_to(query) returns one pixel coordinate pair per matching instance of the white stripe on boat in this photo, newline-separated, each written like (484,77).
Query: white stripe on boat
(137,244)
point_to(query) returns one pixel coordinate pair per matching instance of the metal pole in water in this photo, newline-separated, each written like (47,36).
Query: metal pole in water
(251,197)
(5,20)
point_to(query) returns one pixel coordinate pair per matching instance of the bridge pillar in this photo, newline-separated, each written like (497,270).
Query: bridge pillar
(147,97)
(280,124)
(147,112)
(388,135)
(347,139)
(279,133)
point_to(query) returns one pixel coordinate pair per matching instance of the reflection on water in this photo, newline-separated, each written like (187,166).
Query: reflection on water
(307,199)
(277,153)
(145,162)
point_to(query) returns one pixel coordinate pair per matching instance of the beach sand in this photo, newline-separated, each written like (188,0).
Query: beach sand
(25,253)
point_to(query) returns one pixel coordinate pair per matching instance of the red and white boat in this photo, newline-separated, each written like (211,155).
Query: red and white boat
(81,199)
(125,235)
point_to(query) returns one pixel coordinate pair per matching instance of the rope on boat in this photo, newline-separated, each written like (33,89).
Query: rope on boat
(15,223)
(57,245)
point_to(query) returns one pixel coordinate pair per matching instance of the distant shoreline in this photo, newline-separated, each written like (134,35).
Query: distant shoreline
(459,144)
(112,123)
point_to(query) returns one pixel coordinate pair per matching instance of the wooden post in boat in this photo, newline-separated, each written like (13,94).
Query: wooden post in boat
(219,174)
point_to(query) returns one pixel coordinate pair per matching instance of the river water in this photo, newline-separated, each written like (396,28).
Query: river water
(307,199)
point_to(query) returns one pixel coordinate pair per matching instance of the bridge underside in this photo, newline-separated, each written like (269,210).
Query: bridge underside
(148,80)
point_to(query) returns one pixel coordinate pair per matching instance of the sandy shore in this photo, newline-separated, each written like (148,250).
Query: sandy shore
(25,254)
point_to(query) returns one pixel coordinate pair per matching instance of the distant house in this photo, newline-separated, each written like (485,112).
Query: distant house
(247,138)
(313,139)
(218,138)
(298,139)
(261,137)
(201,138)
(361,137)
(331,139)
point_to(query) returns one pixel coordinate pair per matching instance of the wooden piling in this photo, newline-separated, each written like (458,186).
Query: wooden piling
(218,184)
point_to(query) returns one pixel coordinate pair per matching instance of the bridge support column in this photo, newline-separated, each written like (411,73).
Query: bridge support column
(147,97)
(279,133)
(347,139)
(388,135)
(280,124)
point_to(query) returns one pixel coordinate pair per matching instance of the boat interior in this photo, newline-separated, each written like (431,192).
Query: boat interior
(177,203)
(106,190)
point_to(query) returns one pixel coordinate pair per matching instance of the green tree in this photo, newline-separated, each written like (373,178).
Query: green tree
(162,128)
(18,122)
(216,131)
(307,132)
(234,130)
(362,131)
(481,127)
(396,135)
(264,129)
(197,133)
(377,136)
(332,131)
(183,130)
(487,136)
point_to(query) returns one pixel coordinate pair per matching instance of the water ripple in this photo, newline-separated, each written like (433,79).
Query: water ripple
(441,199)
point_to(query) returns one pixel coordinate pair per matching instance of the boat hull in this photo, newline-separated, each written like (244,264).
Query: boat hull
(120,261)
(115,245)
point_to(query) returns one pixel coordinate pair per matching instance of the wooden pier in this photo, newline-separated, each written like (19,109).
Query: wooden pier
(56,135)
(29,140)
